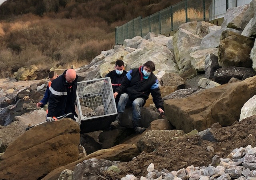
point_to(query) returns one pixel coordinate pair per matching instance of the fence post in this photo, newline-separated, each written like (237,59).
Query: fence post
(186,9)
(149,23)
(171,19)
(204,8)
(140,27)
(133,34)
(160,23)
(116,40)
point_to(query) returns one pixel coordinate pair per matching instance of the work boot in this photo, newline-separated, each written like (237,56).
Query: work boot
(139,130)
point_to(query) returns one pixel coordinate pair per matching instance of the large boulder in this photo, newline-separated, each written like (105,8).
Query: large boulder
(10,133)
(183,42)
(249,30)
(224,75)
(248,109)
(249,13)
(198,58)
(212,40)
(40,150)
(233,17)
(32,118)
(234,50)
(221,104)
(159,54)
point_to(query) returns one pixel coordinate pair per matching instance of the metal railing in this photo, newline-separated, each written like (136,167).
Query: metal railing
(164,21)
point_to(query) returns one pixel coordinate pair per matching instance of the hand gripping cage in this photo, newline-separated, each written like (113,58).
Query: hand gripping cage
(96,104)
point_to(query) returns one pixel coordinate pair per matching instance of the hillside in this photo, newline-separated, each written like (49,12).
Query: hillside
(63,32)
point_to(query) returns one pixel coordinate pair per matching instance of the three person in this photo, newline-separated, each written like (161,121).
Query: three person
(135,89)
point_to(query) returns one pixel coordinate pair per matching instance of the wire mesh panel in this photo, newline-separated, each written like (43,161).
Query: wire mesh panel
(130,30)
(195,10)
(166,20)
(145,24)
(155,23)
(125,31)
(119,35)
(137,26)
(179,14)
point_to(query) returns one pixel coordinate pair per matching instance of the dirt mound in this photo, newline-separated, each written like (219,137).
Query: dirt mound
(189,150)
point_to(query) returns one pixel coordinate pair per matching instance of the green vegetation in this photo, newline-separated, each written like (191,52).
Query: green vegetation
(58,33)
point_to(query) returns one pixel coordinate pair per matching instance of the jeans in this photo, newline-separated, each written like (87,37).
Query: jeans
(136,105)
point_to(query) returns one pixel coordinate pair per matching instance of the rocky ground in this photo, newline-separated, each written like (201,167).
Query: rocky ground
(192,149)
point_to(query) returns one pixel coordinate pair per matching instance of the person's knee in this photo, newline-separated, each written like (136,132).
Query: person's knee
(124,95)
(136,103)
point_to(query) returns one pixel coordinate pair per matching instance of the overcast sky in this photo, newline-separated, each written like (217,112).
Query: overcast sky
(1,1)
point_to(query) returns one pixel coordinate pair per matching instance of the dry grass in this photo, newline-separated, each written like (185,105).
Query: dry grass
(49,42)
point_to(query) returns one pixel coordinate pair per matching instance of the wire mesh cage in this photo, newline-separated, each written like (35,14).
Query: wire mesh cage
(96,104)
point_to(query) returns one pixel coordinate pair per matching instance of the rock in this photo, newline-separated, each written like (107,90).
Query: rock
(147,116)
(199,58)
(183,41)
(203,28)
(132,43)
(199,111)
(66,175)
(121,152)
(160,55)
(212,40)
(114,137)
(233,17)
(182,93)
(24,74)
(89,144)
(160,124)
(190,27)
(249,30)
(152,139)
(32,118)
(233,80)
(40,150)
(172,79)
(223,75)
(249,108)
(10,133)
(248,15)
(92,168)
(211,65)
(234,50)
(206,83)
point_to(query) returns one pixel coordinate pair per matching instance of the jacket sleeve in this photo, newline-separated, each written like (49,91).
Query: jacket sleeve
(156,94)
(125,83)
(46,97)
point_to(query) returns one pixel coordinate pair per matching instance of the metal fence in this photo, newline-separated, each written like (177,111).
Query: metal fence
(164,21)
